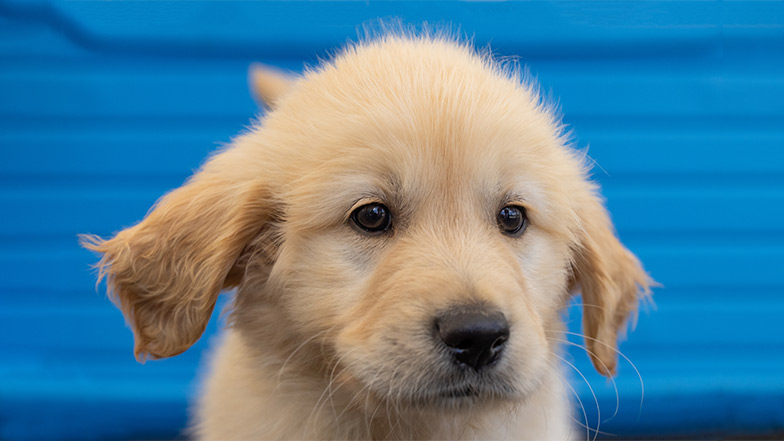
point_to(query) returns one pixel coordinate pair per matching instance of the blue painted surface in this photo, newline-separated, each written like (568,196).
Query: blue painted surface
(104,106)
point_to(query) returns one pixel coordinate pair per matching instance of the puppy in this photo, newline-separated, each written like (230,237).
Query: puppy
(403,229)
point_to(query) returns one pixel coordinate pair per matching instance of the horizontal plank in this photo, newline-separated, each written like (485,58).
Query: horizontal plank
(60,417)
(97,330)
(685,373)
(683,321)
(137,149)
(665,153)
(99,152)
(752,266)
(108,363)
(663,373)
(700,325)
(685,381)
(95,207)
(536,28)
(155,94)
(658,413)
(34,41)
(203,91)
(143,419)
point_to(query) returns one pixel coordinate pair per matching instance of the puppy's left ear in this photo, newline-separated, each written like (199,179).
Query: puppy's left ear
(611,280)
(166,272)
(268,84)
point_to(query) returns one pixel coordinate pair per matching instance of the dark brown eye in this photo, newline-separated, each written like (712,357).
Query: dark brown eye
(512,220)
(372,218)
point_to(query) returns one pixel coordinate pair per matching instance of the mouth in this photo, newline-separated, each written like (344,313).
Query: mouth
(467,391)
(446,392)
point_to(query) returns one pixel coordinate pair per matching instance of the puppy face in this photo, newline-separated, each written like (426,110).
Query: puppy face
(409,213)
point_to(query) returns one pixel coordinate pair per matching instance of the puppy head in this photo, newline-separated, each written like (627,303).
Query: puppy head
(412,208)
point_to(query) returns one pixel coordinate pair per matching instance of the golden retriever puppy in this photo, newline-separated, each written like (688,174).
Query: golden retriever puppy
(403,229)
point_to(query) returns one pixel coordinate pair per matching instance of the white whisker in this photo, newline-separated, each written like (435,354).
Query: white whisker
(595,399)
(580,402)
(612,380)
(642,383)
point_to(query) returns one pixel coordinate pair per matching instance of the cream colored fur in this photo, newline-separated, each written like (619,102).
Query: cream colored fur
(328,335)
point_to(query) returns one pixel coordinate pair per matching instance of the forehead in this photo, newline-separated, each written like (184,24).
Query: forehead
(416,166)
(425,120)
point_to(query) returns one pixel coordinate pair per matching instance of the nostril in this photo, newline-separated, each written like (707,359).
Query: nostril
(498,343)
(463,344)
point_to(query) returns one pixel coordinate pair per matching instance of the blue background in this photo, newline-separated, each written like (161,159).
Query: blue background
(104,106)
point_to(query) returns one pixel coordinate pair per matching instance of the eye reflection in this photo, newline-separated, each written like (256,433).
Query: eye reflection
(373,218)
(512,220)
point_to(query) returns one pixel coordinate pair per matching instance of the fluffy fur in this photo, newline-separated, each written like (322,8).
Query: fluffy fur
(329,335)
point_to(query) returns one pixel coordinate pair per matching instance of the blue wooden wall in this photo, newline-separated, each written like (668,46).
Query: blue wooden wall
(104,106)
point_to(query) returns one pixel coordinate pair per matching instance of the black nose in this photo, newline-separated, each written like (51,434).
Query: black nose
(474,336)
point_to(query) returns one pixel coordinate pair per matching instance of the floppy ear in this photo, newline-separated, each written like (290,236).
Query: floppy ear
(268,84)
(166,272)
(611,280)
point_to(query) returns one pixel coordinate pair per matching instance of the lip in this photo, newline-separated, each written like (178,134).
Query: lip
(460,392)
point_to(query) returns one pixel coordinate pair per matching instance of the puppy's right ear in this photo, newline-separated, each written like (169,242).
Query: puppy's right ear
(166,272)
(268,84)
(611,279)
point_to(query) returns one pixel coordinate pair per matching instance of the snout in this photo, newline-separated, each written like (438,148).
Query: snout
(473,336)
